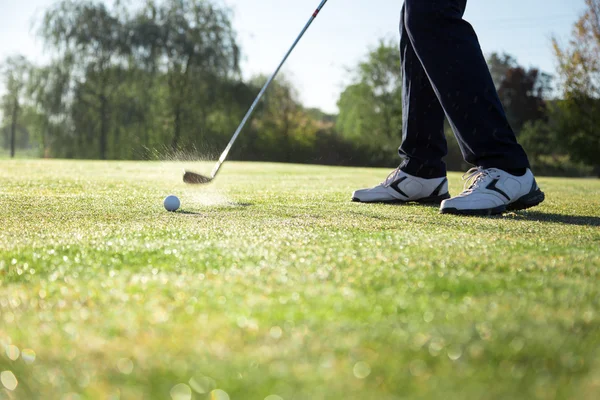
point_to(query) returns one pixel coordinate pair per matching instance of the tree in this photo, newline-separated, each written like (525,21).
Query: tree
(371,107)
(194,45)
(282,128)
(522,91)
(145,76)
(92,39)
(49,90)
(579,73)
(499,65)
(15,71)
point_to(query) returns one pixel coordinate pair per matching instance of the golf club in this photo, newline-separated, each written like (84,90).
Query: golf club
(194,178)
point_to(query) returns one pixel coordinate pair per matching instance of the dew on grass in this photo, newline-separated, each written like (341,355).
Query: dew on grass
(219,394)
(202,384)
(12,352)
(159,316)
(420,340)
(327,361)
(428,316)
(28,356)
(517,345)
(418,368)
(125,366)
(242,322)
(454,353)
(362,370)
(435,347)
(9,380)
(181,391)
(276,332)
(252,325)
(476,350)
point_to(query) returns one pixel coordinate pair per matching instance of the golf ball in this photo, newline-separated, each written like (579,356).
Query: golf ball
(172,203)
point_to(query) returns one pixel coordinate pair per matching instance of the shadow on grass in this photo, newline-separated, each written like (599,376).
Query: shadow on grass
(188,213)
(241,204)
(535,216)
(399,204)
(224,206)
(579,220)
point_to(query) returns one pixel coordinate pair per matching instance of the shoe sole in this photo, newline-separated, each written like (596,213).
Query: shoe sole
(529,200)
(426,200)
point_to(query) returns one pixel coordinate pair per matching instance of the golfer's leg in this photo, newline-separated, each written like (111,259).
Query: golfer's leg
(423,141)
(449,51)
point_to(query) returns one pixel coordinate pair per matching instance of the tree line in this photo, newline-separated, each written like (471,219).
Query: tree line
(164,78)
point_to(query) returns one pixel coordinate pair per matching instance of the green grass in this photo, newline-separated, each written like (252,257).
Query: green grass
(271,283)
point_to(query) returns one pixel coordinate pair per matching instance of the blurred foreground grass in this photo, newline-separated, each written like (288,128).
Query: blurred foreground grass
(270,284)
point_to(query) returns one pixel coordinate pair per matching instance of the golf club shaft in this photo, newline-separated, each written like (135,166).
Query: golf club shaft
(262,92)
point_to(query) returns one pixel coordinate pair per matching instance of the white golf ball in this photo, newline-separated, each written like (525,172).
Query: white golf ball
(172,203)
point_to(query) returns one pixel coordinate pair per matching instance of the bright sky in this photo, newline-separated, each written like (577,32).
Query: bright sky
(341,35)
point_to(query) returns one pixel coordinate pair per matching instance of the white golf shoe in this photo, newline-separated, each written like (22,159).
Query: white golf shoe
(400,187)
(494,191)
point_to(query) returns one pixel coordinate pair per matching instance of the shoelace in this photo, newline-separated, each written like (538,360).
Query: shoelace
(473,177)
(391,177)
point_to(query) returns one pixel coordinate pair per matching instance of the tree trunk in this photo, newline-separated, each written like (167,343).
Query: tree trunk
(176,130)
(13,128)
(183,90)
(285,136)
(103,127)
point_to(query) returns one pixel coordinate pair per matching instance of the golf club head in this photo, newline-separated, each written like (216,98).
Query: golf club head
(193,178)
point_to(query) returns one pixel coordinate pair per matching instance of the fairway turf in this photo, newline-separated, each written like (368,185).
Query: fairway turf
(270,282)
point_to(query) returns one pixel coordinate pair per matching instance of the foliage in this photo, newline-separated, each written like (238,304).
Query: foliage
(15,71)
(162,78)
(577,129)
(281,126)
(195,44)
(579,67)
(499,65)
(371,107)
(523,92)
(133,78)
